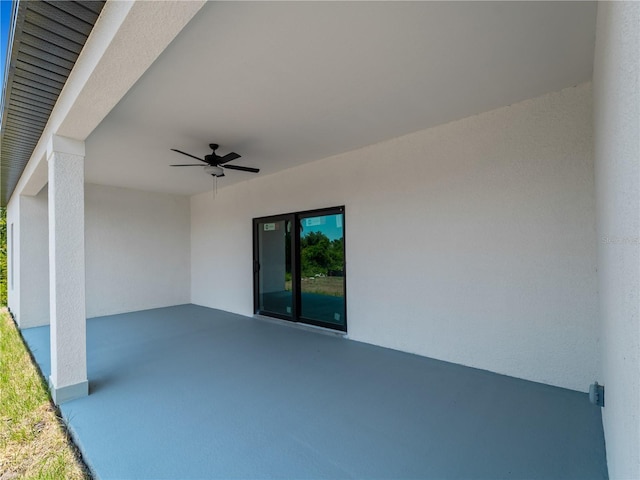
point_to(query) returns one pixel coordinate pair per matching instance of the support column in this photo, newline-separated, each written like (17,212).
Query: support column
(68,378)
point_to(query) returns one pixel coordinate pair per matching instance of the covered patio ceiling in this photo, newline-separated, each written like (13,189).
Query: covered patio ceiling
(288,83)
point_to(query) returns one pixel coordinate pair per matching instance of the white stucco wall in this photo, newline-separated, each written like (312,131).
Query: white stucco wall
(68,335)
(34,260)
(137,250)
(13,254)
(29,297)
(472,242)
(617,158)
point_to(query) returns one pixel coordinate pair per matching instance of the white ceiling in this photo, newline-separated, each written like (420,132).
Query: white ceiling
(292,82)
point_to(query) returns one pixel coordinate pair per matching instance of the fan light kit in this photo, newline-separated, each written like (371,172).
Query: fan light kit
(215,164)
(215,171)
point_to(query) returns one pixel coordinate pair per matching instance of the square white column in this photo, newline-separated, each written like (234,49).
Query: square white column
(68,378)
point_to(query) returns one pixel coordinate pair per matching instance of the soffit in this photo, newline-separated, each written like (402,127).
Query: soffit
(47,37)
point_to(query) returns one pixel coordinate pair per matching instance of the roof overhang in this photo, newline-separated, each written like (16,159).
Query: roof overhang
(45,41)
(293,82)
(88,55)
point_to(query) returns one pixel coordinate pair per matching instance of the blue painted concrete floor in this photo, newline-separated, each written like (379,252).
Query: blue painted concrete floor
(190,392)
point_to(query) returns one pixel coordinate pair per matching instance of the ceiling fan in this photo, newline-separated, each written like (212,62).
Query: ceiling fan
(214,163)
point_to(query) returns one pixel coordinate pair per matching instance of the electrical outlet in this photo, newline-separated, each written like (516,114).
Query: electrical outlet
(596,394)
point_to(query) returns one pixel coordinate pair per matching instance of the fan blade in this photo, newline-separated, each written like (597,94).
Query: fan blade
(188,155)
(228,157)
(244,169)
(187,165)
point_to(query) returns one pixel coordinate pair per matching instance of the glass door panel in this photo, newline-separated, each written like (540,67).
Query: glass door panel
(273,269)
(322,283)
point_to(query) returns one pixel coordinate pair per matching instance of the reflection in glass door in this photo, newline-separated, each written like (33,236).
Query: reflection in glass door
(273,267)
(322,269)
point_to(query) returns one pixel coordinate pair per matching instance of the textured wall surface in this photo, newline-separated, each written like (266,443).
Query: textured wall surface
(472,242)
(67,269)
(617,155)
(34,260)
(29,296)
(137,250)
(13,254)
(137,253)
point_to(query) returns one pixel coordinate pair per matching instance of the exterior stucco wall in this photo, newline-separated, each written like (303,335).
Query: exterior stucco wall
(137,250)
(13,254)
(34,260)
(136,247)
(617,157)
(29,288)
(472,242)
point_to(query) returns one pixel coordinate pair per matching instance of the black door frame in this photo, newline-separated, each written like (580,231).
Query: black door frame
(294,218)
(256,265)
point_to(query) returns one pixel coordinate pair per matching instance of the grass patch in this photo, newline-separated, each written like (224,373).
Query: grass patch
(332,286)
(34,443)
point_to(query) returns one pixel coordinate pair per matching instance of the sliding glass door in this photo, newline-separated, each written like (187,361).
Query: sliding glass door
(299,273)
(273,267)
(322,268)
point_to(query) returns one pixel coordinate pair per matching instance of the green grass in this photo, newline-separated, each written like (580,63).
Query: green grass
(332,286)
(33,441)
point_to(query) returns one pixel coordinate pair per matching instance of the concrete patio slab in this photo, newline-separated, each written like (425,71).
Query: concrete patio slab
(189,392)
